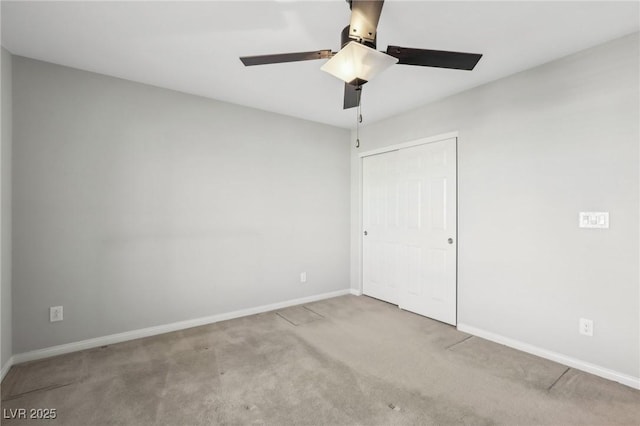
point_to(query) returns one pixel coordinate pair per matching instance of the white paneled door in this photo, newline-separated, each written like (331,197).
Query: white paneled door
(409,228)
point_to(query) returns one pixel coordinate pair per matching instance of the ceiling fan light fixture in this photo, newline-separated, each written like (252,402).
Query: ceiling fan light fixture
(356,62)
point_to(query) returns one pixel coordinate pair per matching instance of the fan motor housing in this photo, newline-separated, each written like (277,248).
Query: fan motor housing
(345,38)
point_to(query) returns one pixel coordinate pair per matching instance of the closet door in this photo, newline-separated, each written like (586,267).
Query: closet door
(380,208)
(428,264)
(409,218)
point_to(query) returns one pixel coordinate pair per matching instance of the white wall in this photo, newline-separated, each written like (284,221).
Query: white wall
(5,211)
(136,206)
(535,149)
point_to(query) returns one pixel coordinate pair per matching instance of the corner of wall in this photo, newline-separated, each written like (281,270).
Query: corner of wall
(6,326)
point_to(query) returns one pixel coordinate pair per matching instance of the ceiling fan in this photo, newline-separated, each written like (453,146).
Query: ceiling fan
(358,61)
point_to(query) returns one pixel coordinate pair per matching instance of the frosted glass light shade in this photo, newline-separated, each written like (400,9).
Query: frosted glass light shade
(357,61)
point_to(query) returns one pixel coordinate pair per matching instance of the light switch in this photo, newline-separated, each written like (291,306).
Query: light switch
(593,220)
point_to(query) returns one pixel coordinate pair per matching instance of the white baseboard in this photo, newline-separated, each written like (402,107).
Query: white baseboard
(578,364)
(355,292)
(166,328)
(5,368)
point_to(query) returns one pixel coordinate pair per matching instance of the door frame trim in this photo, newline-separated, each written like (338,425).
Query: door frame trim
(409,144)
(396,147)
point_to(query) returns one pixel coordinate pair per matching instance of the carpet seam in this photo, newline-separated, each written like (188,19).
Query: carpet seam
(457,343)
(43,389)
(311,310)
(558,379)
(284,318)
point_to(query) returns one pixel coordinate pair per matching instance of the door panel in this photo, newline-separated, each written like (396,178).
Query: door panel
(380,219)
(414,273)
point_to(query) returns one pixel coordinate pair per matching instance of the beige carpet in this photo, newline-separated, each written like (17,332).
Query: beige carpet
(343,361)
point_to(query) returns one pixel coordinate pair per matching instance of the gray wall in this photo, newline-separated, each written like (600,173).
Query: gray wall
(136,206)
(5,210)
(534,150)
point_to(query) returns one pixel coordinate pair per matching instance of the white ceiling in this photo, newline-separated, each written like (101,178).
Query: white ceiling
(194,47)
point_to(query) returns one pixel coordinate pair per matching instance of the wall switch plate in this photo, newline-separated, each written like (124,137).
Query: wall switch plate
(586,327)
(303,277)
(55,313)
(593,220)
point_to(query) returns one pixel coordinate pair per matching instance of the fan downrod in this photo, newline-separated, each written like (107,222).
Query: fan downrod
(346,38)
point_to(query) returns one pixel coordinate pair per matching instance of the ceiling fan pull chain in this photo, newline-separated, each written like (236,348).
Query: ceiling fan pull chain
(358,121)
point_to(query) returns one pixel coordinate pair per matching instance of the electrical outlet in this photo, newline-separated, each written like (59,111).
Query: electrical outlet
(303,277)
(55,313)
(586,327)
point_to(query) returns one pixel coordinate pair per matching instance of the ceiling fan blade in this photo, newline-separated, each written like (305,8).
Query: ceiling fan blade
(434,58)
(285,57)
(365,15)
(351,96)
